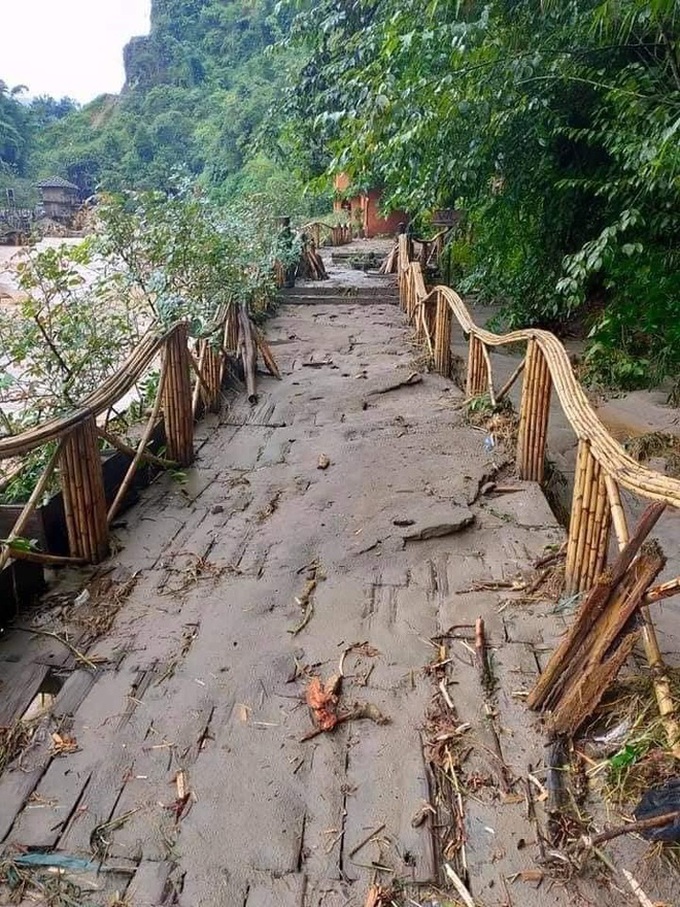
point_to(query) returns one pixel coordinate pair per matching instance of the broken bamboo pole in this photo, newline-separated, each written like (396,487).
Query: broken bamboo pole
(177,398)
(476,384)
(591,610)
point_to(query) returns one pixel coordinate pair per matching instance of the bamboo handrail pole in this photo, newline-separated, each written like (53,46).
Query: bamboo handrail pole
(132,469)
(31,504)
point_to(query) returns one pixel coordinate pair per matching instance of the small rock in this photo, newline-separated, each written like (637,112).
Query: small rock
(403,521)
(441,521)
(324,462)
(218,508)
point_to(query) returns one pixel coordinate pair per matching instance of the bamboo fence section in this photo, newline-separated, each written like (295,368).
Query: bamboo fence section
(78,436)
(603,468)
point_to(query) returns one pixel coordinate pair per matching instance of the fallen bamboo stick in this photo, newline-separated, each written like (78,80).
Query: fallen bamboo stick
(630,828)
(121,446)
(31,504)
(503,392)
(132,469)
(267,354)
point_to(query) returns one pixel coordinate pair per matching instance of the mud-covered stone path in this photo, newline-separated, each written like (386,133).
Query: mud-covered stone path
(181,774)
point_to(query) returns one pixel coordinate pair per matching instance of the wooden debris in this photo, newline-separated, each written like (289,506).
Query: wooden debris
(366,840)
(631,828)
(311,266)
(265,350)
(306,600)
(602,637)
(461,889)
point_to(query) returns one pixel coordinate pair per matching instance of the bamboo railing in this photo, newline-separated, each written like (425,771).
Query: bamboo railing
(335,234)
(187,387)
(603,467)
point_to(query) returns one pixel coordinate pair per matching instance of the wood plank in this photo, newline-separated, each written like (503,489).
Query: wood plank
(150,883)
(18,783)
(287,891)
(19,685)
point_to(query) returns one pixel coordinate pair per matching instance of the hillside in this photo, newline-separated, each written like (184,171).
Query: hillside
(197,89)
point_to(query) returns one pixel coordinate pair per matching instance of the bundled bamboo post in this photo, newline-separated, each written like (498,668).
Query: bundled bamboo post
(534,415)
(82,485)
(177,398)
(589,524)
(231,329)
(476,371)
(442,338)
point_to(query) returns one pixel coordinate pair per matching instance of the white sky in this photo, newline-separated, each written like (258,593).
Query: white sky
(68,47)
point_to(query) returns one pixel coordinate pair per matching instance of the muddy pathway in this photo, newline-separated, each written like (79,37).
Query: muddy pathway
(180,773)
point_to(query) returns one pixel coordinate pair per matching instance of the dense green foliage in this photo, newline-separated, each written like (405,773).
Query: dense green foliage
(553,123)
(197,90)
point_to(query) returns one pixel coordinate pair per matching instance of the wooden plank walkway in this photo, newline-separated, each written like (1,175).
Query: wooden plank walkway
(190,781)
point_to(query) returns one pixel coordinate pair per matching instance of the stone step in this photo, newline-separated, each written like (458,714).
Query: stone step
(324,289)
(306,299)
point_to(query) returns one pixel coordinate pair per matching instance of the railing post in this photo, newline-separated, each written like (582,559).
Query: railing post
(589,524)
(177,402)
(476,372)
(534,415)
(82,485)
(212,376)
(442,337)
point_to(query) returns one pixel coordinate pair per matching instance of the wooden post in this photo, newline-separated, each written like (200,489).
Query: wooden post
(534,415)
(177,409)
(589,524)
(476,373)
(442,338)
(82,484)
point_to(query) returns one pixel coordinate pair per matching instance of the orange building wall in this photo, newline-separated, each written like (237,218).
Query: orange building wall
(363,210)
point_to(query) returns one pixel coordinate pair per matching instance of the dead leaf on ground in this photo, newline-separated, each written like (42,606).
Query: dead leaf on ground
(63,744)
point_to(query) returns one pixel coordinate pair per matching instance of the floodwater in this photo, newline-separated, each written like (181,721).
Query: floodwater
(11,255)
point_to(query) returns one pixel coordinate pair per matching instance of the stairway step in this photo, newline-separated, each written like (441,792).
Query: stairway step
(306,299)
(322,289)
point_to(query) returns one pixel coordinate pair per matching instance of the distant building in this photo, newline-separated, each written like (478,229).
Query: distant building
(59,199)
(363,209)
